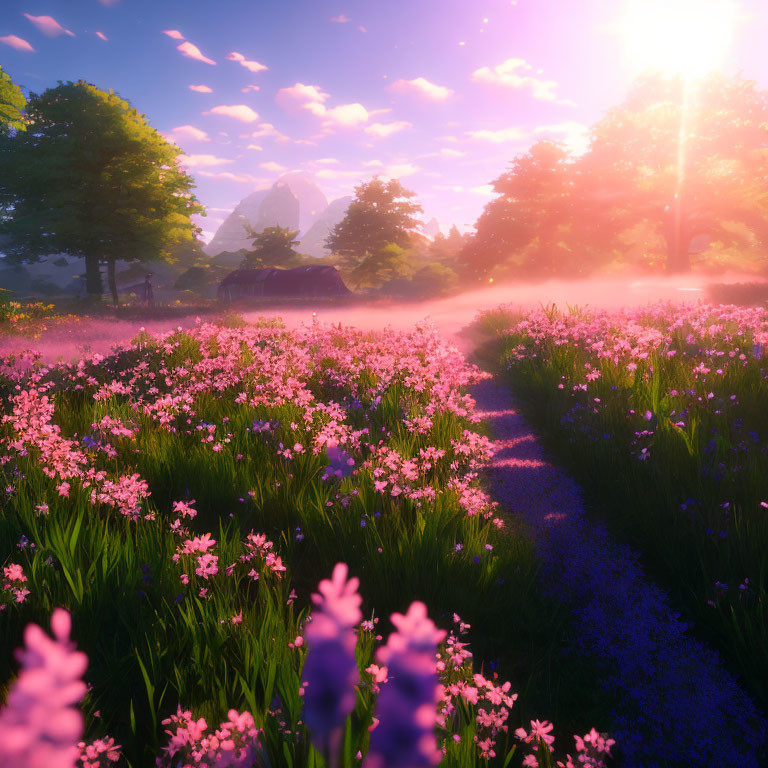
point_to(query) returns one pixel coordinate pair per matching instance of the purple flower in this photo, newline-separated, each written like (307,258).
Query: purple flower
(330,668)
(407,706)
(341,463)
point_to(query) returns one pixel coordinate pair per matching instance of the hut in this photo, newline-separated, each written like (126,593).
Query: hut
(308,281)
(243,284)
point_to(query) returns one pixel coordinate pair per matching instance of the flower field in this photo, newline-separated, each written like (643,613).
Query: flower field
(259,547)
(662,416)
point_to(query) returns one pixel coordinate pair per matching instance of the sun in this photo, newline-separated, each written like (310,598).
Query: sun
(688,37)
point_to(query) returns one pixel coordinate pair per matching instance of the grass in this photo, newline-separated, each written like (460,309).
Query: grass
(660,415)
(154,643)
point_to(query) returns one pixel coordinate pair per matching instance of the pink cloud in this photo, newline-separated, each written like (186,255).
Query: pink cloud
(237,111)
(244,178)
(382,130)
(398,170)
(300,96)
(501,136)
(267,129)
(189,132)
(251,66)
(510,74)
(250,88)
(102,36)
(312,99)
(342,18)
(48,25)
(201,88)
(174,33)
(18,43)
(273,167)
(335,173)
(420,86)
(108,2)
(345,115)
(193,52)
(202,161)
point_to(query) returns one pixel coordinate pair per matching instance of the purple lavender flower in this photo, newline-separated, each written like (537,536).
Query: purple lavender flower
(407,706)
(341,463)
(330,668)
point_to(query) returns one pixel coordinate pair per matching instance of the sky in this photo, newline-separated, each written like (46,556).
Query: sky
(441,94)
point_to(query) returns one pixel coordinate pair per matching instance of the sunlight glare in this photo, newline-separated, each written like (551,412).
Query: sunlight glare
(690,37)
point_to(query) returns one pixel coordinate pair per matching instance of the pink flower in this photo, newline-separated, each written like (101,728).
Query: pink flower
(39,726)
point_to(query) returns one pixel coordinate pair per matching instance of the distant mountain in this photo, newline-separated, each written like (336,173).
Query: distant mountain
(313,242)
(312,201)
(293,201)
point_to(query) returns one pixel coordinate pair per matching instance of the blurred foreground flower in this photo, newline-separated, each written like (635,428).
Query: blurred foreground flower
(407,706)
(39,726)
(330,668)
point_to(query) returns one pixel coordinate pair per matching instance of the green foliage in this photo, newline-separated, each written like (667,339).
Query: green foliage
(446,249)
(693,506)
(273,247)
(153,644)
(12,103)
(388,263)
(93,179)
(381,213)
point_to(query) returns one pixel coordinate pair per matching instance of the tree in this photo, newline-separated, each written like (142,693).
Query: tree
(12,104)
(688,157)
(91,178)
(273,247)
(446,249)
(540,219)
(380,213)
(388,263)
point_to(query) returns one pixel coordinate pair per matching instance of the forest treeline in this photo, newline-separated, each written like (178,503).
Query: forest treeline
(674,175)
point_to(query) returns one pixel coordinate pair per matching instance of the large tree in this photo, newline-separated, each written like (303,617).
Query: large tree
(690,158)
(381,213)
(273,247)
(90,177)
(678,163)
(12,104)
(540,222)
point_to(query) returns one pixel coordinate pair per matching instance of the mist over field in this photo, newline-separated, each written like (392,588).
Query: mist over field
(449,315)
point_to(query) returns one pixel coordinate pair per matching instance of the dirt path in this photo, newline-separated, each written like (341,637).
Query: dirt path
(674,703)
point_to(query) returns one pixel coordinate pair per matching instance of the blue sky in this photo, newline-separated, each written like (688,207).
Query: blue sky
(440,93)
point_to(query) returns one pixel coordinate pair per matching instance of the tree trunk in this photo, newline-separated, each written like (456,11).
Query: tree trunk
(93,286)
(113,282)
(678,236)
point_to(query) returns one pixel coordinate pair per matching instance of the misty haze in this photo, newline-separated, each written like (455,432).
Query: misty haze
(383,384)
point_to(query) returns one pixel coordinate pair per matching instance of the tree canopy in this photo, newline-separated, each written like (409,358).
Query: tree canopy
(12,103)
(91,178)
(676,161)
(381,213)
(273,247)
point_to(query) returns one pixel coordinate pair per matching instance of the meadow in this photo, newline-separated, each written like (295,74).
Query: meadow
(660,414)
(175,504)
